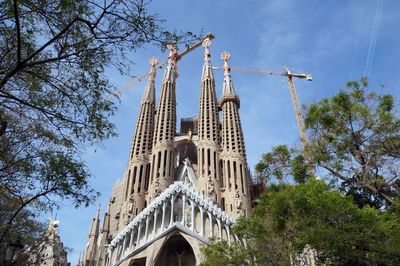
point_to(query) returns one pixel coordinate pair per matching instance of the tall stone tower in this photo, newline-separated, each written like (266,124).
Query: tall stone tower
(180,188)
(234,164)
(162,162)
(208,136)
(138,171)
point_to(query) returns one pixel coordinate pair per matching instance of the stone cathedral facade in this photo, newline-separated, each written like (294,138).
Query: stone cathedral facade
(180,188)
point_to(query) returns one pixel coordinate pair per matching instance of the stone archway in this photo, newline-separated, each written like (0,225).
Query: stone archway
(176,251)
(138,262)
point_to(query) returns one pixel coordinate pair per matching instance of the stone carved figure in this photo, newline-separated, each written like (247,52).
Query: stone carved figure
(157,189)
(239,203)
(177,159)
(188,215)
(210,186)
(131,204)
(190,134)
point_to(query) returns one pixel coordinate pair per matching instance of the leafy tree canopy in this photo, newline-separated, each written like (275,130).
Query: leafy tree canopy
(354,141)
(282,163)
(290,217)
(53,92)
(355,137)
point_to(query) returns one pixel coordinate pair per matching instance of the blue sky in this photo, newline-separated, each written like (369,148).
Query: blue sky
(334,40)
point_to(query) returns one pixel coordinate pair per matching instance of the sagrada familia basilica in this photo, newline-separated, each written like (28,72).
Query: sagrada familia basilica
(180,188)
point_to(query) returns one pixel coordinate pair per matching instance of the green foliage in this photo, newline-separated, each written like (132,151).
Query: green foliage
(220,253)
(53,93)
(26,227)
(290,217)
(313,214)
(355,136)
(283,163)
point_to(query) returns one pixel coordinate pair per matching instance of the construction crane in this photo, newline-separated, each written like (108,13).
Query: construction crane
(296,106)
(292,89)
(287,73)
(179,56)
(295,100)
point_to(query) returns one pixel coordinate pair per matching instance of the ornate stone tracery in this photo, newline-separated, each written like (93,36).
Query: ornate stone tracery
(122,246)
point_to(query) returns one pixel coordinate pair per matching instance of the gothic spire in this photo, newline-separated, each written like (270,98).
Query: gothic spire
(171,72)
(166,114)
(91,246)
(141,144)
(162,171)
(149,93)
(208,132)
(106,221)
(94,228)
(207,69)
(234,163)
(137,174)
(228,91)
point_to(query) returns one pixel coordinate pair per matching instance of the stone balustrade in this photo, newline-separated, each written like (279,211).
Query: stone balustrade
(179,206)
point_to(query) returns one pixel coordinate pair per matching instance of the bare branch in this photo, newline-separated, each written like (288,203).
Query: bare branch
(18,30)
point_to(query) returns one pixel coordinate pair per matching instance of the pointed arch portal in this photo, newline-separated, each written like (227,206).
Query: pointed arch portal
(176,251)
(138,262)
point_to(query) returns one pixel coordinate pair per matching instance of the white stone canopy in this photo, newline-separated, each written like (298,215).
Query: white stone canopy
(179,207)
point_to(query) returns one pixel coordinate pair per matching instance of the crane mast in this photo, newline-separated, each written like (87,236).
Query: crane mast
(297,111)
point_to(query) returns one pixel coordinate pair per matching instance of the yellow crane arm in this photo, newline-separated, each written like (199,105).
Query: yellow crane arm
(292,89)
(179,56)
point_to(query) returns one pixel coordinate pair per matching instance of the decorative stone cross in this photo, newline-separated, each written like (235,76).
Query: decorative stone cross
(153,61)
(226,56)
(206,45)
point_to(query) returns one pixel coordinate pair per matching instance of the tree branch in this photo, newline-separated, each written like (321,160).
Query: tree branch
(44,111)
(23,205)
(23,63)
(18,29)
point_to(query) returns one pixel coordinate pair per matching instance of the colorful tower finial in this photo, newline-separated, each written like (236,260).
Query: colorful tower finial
(153,61)
(226,56)
(206,45)
(228,91)
(172,68)
(207,70)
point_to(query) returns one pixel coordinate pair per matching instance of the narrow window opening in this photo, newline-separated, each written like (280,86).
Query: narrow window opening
(140,178)
(215,165)
(146,181)
(134,180)
(152,168)
(159,160)
(171,167)
(241,178)
(128,183)
(221,171)
(235,174)
(202,160)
